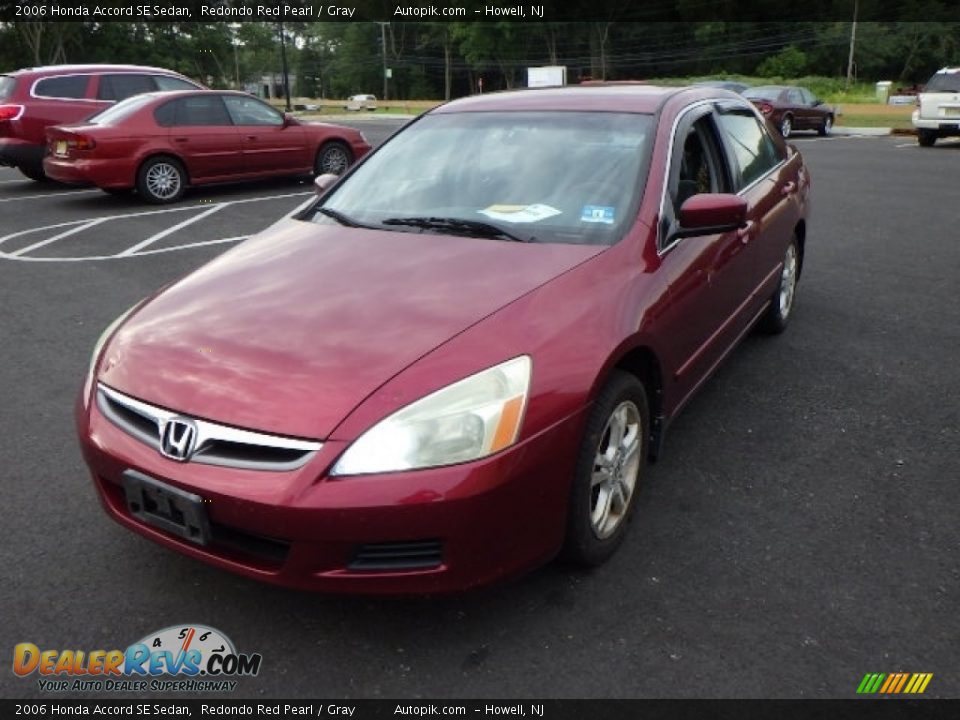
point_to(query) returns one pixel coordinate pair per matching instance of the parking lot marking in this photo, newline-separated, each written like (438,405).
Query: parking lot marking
(170,230)
(65,233)
(78,226)
(47,195)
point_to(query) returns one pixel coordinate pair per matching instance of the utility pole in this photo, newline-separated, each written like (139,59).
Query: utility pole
(383,45)
(853,40)
(283,61)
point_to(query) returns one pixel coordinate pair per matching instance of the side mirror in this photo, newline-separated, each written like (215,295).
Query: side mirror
(324,182)
(289,120)
(711,214)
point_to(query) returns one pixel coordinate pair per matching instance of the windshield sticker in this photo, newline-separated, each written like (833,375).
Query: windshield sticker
(597,214)
(519,213)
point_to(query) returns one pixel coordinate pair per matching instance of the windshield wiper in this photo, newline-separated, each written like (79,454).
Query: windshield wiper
(459,226)
(341,218)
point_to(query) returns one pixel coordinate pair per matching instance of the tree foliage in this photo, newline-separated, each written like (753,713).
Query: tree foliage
(442,60)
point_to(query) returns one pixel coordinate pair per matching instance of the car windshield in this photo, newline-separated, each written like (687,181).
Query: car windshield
(571,177)
(7,84)
(944,82)
(768,92)
(121,111)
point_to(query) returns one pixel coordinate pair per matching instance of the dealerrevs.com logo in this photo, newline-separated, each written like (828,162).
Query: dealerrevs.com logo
(181,658)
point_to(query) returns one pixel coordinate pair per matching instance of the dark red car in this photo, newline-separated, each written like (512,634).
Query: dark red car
(458,361)
(792,108)
(33,99)
(160,143)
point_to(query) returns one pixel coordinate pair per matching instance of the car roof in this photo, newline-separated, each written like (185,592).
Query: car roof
(89,68)
(628,98)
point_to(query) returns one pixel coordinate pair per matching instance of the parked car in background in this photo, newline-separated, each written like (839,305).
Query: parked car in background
(33,99)
(938,107)
(361,102)
(446,371)
(791,108)
(731,85)
(160,143)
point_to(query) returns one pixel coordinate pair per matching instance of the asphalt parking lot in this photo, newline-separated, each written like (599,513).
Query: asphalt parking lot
(799,532)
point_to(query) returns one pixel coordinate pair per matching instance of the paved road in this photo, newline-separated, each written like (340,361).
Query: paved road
(799,532)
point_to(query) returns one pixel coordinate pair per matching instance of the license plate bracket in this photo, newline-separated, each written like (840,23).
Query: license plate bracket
(165,507)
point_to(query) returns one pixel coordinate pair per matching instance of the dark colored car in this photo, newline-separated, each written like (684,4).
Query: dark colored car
(731,85)
(445,372)
(792,108)
(33,99)
(159,143)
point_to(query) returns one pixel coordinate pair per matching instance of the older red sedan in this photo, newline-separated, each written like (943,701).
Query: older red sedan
(159,143)
(458,361)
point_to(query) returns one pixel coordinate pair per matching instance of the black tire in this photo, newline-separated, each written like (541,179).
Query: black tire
(34,172)
(786,125)
(590,541)
(926,138)
(161,180)
(332,157)
(780,310)
(826,126)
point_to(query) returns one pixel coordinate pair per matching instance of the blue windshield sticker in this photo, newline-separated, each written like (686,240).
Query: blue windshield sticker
(597,214)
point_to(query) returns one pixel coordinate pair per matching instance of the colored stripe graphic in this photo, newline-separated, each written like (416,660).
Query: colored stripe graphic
(894,683)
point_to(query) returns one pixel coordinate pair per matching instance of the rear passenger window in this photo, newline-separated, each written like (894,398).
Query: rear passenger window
(201,110)
(751,145)
(65,86)
(7,85)
(166,115)
(165,82)
(122,86)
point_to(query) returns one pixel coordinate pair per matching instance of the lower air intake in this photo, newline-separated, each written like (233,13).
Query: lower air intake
(415,555)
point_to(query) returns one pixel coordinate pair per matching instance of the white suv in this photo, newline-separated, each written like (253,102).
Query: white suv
(938,107)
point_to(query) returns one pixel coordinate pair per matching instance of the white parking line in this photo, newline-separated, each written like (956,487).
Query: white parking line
(170,230)
(65,233)
(77,226)
(47,195)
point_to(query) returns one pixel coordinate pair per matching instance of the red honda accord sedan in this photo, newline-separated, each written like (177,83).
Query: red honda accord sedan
(456,364)
(159,143)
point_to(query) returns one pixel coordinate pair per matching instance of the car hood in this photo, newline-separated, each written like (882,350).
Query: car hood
(290,331)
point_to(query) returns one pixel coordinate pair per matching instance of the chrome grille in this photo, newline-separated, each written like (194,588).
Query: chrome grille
(215,444)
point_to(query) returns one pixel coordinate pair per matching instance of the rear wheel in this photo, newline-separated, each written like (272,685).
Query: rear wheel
(826,126)
(926,138)
(34,172)
(333,157)
(161,180)
(612,456)
(786,125)
(778,313)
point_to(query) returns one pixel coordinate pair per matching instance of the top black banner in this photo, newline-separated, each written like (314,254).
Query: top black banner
(608,11)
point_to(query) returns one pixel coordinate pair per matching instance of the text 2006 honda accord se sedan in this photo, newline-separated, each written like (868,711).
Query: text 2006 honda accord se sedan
(456,363)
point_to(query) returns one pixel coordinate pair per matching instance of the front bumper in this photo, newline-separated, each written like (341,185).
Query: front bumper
(474,523)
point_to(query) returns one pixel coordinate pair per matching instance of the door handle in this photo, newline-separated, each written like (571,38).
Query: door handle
(788,189)
(181,139)
(251,137)
(745,232)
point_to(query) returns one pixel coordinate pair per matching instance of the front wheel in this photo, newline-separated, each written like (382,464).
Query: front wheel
(778,313)
(826,126)
(786,126)
(609,467)
(161,180)
(926,138)
(333,157)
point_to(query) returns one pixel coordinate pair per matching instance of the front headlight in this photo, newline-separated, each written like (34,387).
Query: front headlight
(101,341)
(472,418)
